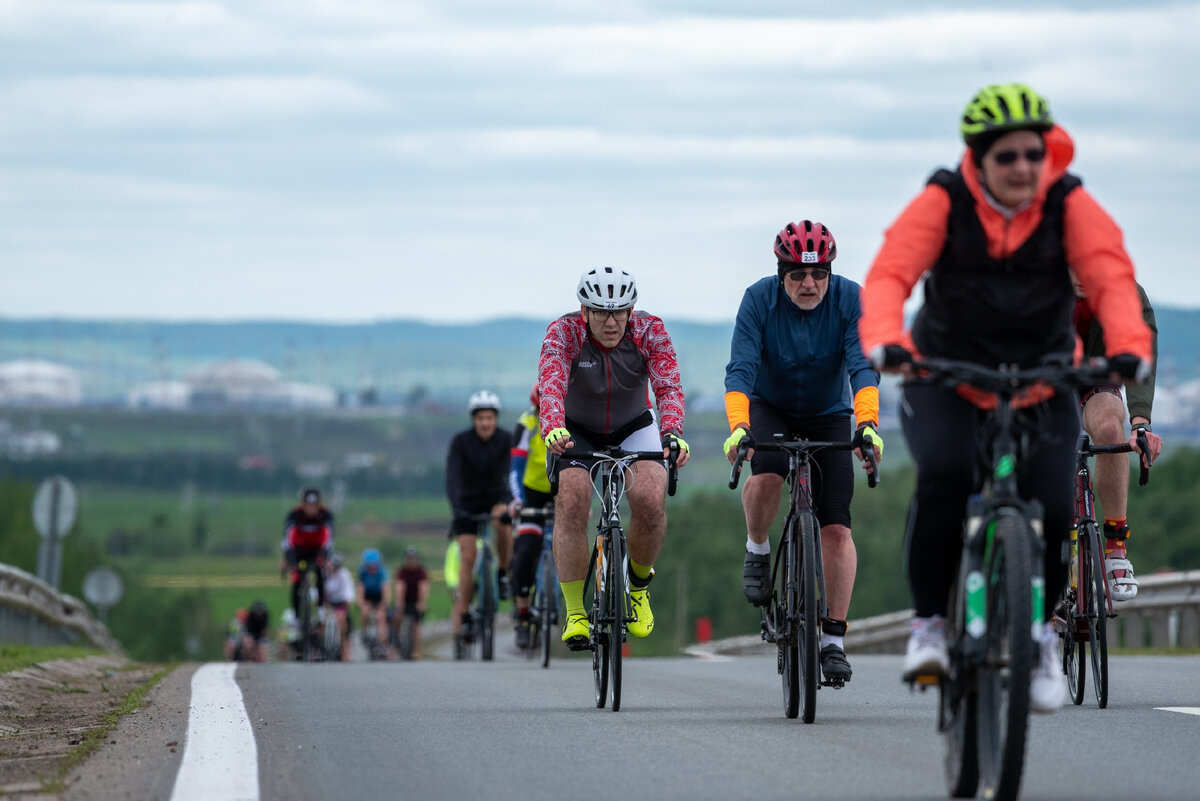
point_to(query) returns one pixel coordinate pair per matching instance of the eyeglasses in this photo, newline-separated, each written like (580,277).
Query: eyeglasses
(817,273)
(603,316)
(1006,157)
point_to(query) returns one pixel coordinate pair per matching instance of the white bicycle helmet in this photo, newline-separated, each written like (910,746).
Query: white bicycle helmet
(483,399)
(607,288)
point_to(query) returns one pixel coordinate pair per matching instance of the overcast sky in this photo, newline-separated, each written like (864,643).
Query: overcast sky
(457,160)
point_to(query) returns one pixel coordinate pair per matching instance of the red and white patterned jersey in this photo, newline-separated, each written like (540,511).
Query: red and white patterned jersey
(603,389)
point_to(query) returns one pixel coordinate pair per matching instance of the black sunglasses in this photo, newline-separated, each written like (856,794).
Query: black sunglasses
(1007,157)
(817,273)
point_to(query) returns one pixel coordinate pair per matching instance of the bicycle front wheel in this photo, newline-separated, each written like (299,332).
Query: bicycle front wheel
(599,633)
(1097,613)
(1003,678)
(487,604)
(809,639)
(618,604)
(788,612)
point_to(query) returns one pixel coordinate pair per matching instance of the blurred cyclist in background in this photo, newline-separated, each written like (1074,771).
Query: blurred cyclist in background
(530,488)
(477,484)
(412,598)
(307,537)
(339,594)
(374,595)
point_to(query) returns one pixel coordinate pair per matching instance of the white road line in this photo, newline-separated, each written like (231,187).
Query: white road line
(1186,710)
(220,758)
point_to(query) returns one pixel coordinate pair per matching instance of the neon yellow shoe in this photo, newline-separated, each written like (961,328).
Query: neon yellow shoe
(577,632)
(643,623)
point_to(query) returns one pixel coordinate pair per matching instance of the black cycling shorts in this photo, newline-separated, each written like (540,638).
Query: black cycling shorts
(832,471)
(463,525)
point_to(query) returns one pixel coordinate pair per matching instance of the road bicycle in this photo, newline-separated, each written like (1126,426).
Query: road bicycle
(312,645)
(544,599)
(995,608)
(611,609)
(369,634)
(797,607)
(1082,615)
(487,593)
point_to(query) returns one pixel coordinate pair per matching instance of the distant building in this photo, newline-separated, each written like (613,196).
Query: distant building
(39,383)
(242,383)
(175,395)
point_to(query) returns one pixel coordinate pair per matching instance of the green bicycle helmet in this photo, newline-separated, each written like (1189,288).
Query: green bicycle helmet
(1002,108)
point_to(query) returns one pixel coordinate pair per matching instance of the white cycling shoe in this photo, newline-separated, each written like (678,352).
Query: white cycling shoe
(1122,585)
(925,654)
(1048,684)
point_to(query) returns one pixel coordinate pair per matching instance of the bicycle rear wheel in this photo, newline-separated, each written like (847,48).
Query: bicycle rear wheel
(809,639)
(958,711)
(1074,649)
(1097,613)
(618,606)
(1003,679)
(787,612)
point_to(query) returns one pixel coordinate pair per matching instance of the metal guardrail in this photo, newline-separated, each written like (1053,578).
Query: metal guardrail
(1165,614)
(34,613)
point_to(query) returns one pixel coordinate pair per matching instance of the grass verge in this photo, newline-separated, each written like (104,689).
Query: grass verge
(18,657)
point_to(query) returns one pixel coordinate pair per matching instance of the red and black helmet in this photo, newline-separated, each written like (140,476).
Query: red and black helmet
(805,242)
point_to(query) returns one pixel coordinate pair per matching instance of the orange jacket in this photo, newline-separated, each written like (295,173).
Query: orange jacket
(1093,246)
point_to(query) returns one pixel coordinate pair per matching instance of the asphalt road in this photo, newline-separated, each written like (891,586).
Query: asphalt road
(687,729)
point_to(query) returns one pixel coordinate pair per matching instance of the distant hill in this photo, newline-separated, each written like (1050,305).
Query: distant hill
(400,357)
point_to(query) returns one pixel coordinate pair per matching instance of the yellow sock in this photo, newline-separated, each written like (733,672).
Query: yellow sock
(642,572)
(573,596)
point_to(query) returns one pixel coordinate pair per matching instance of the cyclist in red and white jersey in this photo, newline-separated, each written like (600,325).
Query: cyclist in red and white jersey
(597,369)
(308,536)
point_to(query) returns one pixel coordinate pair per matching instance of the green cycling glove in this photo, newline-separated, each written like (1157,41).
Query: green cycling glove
(864,430)
(556,435)
(671,436)
(735,439)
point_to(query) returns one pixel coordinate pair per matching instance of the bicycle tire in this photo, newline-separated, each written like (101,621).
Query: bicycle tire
(618,607)
(958,713)
(305,619)
(487,604)
(599,634)
(809,639)
(788,611)
(1074,656)
(1003,679)
(1097,613)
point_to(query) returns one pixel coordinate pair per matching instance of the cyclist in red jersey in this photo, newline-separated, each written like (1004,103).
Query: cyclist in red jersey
(308,536)
(596,371)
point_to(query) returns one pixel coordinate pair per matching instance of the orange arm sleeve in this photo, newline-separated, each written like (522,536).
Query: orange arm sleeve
(910,247)
(737,409)
(1096,252)
(866,406)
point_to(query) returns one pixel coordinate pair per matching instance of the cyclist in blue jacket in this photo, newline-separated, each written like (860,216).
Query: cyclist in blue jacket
(794,360)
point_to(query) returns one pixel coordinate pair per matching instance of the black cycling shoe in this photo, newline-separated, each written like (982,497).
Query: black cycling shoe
(524,627)
(505,587)
(756,578)
(834,665)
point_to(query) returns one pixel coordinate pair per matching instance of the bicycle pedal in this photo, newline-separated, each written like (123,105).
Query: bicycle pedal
(836,684)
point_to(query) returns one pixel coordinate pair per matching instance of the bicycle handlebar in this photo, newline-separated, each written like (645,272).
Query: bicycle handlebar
(1089,448)
(804,445)
(615,453)
(1008,380)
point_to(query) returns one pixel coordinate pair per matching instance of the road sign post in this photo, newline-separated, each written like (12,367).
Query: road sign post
(54,507)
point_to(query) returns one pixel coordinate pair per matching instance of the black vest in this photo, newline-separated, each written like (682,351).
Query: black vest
(991,311)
